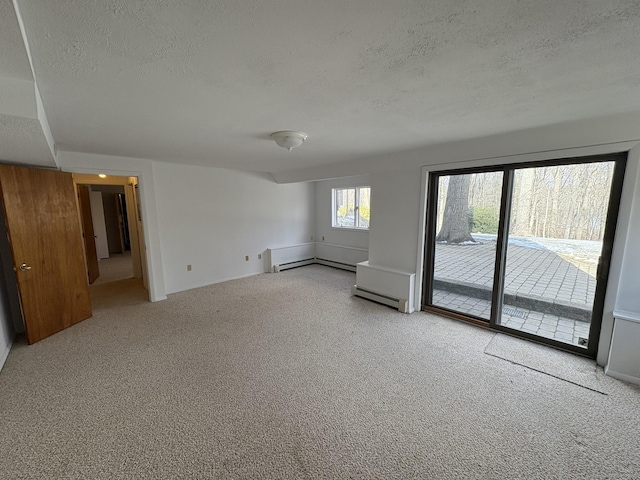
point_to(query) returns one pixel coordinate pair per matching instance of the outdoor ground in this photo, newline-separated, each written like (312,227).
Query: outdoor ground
(549,283)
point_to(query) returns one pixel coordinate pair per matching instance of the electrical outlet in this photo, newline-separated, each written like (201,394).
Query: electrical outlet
(311,238)
(323,238)
(188,268)
(259,256)
(246,258)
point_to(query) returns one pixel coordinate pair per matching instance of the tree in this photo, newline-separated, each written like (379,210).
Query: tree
(455,224)
(484,220)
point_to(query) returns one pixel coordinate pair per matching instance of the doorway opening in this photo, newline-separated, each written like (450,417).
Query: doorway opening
(525,249)
(112,230)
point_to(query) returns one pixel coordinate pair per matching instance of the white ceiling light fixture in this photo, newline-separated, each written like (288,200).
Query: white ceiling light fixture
(289,140)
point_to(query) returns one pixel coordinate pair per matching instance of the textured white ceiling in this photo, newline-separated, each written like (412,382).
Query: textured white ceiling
(14,62)
(206,82)
(22,137)
(23,141)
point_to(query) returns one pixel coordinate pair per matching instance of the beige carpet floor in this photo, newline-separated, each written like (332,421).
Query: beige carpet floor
(288,376)
(118,266)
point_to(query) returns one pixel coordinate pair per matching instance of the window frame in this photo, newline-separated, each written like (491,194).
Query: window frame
(620,159)
(356,216)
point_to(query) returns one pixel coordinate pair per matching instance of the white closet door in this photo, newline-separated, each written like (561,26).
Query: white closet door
(99,226)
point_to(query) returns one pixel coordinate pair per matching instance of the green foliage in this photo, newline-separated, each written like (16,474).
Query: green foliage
(483,220)
(365,212)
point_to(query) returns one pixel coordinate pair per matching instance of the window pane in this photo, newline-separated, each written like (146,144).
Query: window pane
(364,208)
(345,207)
(468,209)
(558,215)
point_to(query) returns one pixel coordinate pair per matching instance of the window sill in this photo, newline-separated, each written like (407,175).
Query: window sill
(350,229)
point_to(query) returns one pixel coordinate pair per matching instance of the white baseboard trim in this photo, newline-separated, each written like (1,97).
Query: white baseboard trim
(621,376)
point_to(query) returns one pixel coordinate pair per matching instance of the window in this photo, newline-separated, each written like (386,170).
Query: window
(351,207)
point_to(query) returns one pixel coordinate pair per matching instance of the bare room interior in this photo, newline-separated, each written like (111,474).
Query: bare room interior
(319,239)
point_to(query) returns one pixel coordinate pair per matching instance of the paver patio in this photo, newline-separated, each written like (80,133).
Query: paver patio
(544,293)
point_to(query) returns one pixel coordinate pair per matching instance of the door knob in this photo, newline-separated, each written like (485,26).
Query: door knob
(24,267)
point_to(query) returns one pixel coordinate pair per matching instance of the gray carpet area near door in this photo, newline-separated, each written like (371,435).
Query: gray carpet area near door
(563,365)
(288,376)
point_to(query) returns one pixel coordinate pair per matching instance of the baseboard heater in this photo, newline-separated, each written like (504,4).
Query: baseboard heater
(292,256)
(310,261)
(330,255)
(331,263)
(299,263)
(401,304)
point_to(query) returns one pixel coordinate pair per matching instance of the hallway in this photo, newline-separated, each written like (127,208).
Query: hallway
(118,266)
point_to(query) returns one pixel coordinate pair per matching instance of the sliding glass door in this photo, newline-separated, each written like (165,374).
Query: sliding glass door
(525,248)
(463,273)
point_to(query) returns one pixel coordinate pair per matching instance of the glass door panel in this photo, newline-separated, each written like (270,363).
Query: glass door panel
(467,219)
(555,238)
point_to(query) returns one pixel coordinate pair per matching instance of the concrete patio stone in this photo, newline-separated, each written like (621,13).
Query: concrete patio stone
(551,297)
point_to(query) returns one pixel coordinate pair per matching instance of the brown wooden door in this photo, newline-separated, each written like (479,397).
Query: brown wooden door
(89,236)
(44,232)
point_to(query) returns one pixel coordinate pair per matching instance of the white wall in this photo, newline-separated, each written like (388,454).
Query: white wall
(395,218)
(623,280)
(99,226)
(628,297)
(211,218)
(323,201)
